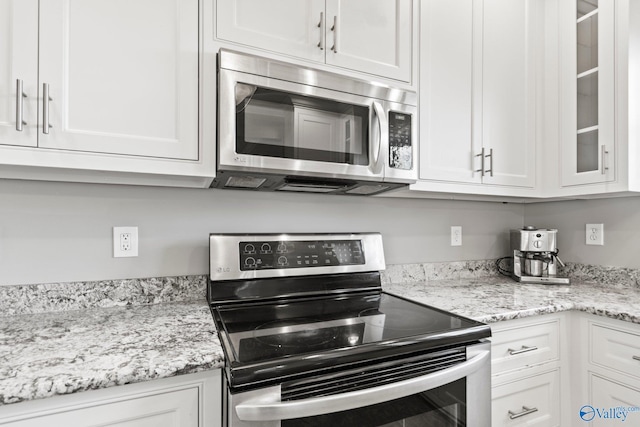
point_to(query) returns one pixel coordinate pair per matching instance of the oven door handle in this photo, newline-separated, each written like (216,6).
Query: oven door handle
(259,410)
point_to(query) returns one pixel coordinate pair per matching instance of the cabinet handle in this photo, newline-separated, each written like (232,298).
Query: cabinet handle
(490,155)
(481,155)
(525,411)
(604,156)
(45,108)
(321,26)
(636,358)
(334,28)
(523,349)
(19,95)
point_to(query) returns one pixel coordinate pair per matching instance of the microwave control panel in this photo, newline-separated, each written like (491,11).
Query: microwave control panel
(400,147)
(268,255)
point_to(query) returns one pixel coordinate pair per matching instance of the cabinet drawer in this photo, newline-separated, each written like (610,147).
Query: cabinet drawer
(530,401)
(521,346)
(608,399)
(615,349)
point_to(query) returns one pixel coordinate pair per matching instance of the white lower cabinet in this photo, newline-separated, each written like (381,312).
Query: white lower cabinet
(613,402)
(528,401)
(527,357)
(606,381)
(185,401)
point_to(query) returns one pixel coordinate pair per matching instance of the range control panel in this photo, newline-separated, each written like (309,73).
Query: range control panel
(273,254)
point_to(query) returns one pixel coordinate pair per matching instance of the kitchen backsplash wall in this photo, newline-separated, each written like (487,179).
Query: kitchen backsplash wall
(61,232)
(621,219)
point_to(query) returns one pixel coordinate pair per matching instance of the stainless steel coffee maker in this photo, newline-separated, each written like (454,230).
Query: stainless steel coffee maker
(535,256)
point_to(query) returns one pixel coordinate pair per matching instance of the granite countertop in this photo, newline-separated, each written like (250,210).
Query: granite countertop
(43,354)
(493,299)
(47,354)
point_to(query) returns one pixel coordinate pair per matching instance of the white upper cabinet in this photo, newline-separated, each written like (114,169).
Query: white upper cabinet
(447,143)
(588,91)
(122,76)
(373,36)
(510,69)
(18,72)
(369,36)
(479,65)
(105,91)
(293,27)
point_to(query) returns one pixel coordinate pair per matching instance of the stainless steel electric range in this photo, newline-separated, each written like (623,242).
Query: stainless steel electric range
(311,339)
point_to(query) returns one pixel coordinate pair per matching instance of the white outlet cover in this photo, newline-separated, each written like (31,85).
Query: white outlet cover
(118,252)
(456,235)
(594,234)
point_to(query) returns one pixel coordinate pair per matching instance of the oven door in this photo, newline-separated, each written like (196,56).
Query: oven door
(456,396)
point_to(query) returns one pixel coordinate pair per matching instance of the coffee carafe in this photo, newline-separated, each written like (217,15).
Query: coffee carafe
(535,256)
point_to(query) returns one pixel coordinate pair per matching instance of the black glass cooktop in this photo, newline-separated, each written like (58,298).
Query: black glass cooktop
(268,340)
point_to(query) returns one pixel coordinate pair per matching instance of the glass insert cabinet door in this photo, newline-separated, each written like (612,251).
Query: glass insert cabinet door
(587,115)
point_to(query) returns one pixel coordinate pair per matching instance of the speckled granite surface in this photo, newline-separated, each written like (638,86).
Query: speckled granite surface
(46,354)
(69,337)
(492,299)
(48,297)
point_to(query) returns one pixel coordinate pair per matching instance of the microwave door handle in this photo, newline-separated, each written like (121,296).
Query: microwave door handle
(383,136)
(257,410)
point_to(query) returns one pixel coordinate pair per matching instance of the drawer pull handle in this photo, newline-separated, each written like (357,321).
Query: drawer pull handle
(524,349)
(636,357)
(525,411)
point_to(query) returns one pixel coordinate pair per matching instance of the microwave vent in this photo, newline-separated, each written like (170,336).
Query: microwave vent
(366,190)
(244,182)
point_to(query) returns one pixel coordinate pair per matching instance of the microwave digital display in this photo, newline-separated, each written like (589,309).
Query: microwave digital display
(400,150)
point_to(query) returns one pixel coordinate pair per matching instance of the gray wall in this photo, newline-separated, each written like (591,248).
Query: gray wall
(51,232)
(621,219)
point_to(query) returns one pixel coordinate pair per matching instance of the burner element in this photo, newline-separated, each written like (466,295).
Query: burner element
(294,333)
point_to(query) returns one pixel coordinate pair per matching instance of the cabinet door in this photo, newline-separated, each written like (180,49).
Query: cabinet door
(174,409)
(447,147)
(588,91)
(510,65)
(122,76)
(18,65)
(371,36)
(290,27)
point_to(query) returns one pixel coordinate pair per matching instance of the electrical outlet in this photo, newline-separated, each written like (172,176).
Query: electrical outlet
(595,234)
(456,235)
(125,242)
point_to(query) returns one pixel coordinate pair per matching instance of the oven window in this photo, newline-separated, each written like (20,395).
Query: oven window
(285,125)
(441,407)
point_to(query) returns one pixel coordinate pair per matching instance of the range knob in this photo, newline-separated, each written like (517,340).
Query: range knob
(282,248)
(249,249)
(282,260)
(265,248)
(250,262)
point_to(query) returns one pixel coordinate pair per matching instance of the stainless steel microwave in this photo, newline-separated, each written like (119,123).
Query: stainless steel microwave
(282,127)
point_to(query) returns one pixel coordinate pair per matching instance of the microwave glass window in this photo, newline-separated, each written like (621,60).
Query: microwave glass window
(286,125)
